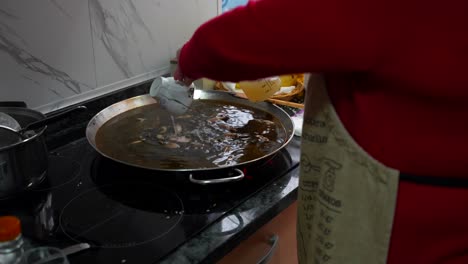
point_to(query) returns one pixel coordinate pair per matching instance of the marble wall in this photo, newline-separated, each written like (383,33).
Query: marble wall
(54,53)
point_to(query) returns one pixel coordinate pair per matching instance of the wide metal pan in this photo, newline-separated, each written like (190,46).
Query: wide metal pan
(143,100)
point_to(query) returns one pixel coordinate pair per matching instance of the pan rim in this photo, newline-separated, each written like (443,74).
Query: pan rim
(150,100)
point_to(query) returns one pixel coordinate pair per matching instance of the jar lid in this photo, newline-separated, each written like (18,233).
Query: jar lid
(10,228)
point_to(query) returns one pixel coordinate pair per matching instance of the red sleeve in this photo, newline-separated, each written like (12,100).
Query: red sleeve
(273,37)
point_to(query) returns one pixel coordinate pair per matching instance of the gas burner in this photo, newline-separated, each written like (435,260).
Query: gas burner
(115,215)
(61,171)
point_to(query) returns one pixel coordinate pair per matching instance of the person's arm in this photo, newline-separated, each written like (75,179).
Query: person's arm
(272,37)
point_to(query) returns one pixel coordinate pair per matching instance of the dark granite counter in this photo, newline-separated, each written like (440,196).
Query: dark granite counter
(225,234)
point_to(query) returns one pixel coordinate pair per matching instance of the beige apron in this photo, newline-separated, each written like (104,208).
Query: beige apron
(346,198)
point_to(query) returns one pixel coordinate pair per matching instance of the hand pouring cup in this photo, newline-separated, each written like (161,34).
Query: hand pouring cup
(172,95)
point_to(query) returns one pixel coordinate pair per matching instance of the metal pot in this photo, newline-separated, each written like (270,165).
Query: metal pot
(23,165)
(132,103)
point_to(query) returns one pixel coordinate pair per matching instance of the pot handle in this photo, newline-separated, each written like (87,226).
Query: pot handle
(240,175)
(50,119)
(13,104)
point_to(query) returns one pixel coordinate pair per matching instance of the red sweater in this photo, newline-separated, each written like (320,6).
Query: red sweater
(397,74)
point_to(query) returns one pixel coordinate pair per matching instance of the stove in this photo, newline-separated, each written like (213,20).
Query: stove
(128,214)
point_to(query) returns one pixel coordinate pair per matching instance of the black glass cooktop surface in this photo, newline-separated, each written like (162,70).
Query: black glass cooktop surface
(126,214)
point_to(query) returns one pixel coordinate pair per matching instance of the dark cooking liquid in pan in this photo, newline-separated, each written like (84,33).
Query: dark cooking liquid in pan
(211,134)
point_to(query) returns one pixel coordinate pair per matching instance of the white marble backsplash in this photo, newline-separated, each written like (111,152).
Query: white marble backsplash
(54,53)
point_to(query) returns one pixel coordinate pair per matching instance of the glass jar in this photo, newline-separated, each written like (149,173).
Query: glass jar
(11,241)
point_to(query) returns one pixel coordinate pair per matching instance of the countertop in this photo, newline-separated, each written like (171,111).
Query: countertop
(225,234)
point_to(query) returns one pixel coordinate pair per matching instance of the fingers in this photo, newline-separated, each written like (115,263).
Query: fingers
(179,76)
(187,81)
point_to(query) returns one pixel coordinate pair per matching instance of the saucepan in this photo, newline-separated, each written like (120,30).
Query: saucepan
(219,132)
(23,162)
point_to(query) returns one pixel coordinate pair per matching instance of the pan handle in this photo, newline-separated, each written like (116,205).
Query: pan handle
(240,175)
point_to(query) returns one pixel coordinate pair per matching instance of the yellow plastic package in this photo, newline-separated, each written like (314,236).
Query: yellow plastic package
(260,90)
